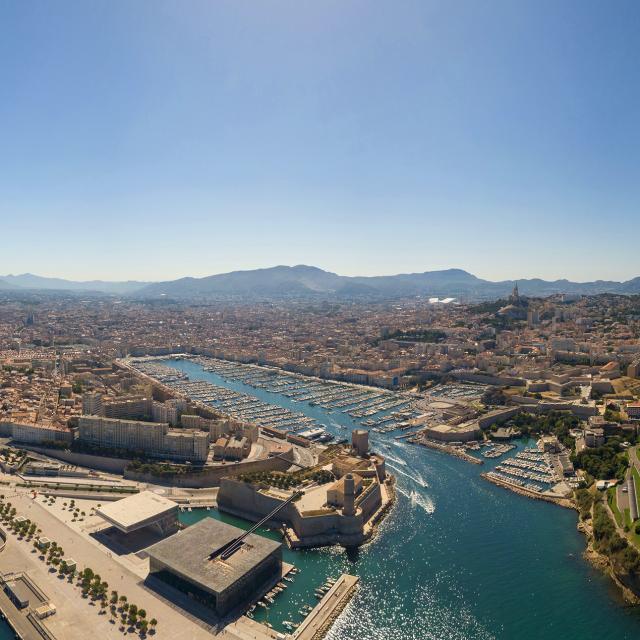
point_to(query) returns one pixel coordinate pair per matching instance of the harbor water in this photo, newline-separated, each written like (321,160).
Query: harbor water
(457,558)
(6,632)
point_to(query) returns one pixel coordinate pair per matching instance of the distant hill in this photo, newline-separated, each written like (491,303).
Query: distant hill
(30,281)
(6,285)
(263,282)
(303,281)
(312,281)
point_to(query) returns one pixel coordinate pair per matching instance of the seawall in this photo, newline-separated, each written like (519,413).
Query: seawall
(212,476)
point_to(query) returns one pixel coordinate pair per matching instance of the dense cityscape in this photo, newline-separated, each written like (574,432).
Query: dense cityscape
(122,419)
(319,320)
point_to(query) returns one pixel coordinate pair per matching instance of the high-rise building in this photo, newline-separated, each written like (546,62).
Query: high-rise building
(633,371)
(92,404)
(128,407)
(155,439)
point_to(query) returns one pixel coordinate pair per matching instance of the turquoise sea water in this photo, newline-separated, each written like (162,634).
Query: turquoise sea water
(461,560)
(6,633)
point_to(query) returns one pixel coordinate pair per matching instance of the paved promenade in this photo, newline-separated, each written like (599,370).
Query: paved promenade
(76,618)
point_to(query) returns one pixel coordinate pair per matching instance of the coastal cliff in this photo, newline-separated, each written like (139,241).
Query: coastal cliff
(607,549)
(629,588)
(620,571)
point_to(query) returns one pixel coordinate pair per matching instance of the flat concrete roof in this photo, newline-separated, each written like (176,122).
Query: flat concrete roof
(187,552)
(455,428)
(137,511)
(20,591)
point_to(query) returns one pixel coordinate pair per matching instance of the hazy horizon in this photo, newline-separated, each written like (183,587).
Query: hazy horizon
(156,140)
(358,275)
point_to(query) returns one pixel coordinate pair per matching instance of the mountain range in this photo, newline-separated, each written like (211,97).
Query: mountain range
(307,281)
(40,283)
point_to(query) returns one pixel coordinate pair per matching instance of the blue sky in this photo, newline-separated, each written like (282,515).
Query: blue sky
(152,140)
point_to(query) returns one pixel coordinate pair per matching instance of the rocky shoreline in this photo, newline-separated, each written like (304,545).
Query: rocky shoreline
(379,516)
(328,623)
(595,558)
(603,563)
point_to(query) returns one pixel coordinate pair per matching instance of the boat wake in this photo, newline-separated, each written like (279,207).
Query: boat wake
(396,460)
(418,500)
(417,479)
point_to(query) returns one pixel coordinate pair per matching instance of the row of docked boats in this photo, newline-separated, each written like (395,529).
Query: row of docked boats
(354,400)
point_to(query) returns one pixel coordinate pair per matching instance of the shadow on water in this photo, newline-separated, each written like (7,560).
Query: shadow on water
(352,553)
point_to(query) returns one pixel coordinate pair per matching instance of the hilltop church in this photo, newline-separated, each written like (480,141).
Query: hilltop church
(517,307)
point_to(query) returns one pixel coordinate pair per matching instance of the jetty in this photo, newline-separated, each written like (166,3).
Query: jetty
(457,452)
(322,616)
(524,490)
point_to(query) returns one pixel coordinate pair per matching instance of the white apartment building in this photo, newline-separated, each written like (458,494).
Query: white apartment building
(39,433)
(154,438)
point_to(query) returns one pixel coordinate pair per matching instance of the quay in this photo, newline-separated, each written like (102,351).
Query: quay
(21,625)
(317,623)
(523,491)
(407,436)
(444,448)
